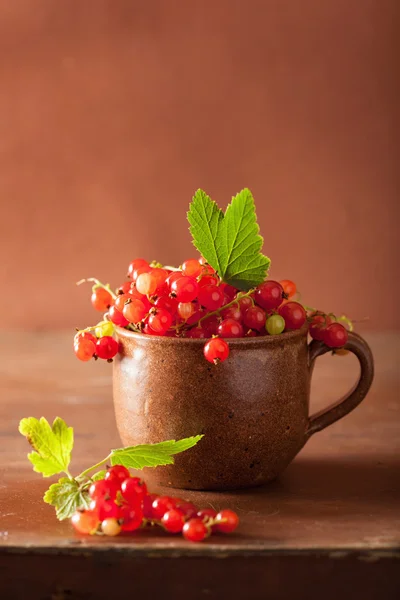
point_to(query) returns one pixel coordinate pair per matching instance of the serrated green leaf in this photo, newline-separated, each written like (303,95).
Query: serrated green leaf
(230,243)
(151,455)
(67,497)
(206,218)
(52,444)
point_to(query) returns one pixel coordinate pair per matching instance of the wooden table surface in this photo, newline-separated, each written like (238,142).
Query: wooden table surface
(329,526)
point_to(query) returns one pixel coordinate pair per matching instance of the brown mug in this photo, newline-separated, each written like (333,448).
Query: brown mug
(253,409)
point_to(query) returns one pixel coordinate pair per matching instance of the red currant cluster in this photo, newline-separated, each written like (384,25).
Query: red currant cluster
(193,302)
(120,502)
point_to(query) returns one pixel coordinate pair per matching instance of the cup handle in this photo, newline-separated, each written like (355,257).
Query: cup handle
(358,346)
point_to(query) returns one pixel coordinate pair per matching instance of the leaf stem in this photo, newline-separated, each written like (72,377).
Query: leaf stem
(99,464)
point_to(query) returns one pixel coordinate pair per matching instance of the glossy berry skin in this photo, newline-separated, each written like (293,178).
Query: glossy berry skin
(192,267)
(160,276)
(134,311)
(173,520)
(318,325)
(84,335)
(289,287)
(216,350)
(104,509)
(229,328)
(275,324)
(148,505)
(104,489)
(117,473)
(211,297)
(84,349)
(226,521)
(185,289)
(101,299)
(117,317)
(161,505)
(294,315)
(146,284)
(232,312)
(254,318)
(168,303)
(106,347)
(195,530)
(160,320)
(244,304)
(110,527)
(137,264)
(173,277)
(133,490)
(85,521)
(121,301)
(335,336)
(207,280)
(269,295)
(131,517)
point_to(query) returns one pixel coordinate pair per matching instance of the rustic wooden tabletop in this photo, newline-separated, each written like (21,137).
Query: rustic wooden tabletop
(329,527)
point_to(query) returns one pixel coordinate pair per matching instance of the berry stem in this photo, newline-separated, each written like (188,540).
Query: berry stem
(98,284)
(219,310)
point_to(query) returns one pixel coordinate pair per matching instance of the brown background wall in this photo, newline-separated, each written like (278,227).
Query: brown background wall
(113,112)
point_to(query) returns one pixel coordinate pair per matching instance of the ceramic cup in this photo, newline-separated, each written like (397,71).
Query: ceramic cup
(253,409)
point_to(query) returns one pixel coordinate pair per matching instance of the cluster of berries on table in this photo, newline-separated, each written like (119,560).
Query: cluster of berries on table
(193,302)
(121,503)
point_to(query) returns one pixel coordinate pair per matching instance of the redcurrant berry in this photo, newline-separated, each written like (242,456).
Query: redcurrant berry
(134,311)
(269,295)
(294,315)
(85,521)
(195,530)
(84,349)
(161,505)
(173,520)
(185,289)
(275,324)
(106,347)
(335,336)
(226,521)
(136,264)
(255,318)
(101,299)
(117,473)
(216,350)
(117,317)
(229,328)
(103,489)
(289,287)
(192,267)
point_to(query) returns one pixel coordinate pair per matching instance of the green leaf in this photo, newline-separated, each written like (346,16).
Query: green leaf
(230,243)
(151,455)
(67,497)
(52,444)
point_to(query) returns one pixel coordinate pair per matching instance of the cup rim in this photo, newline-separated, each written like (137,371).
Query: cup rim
(269,339)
